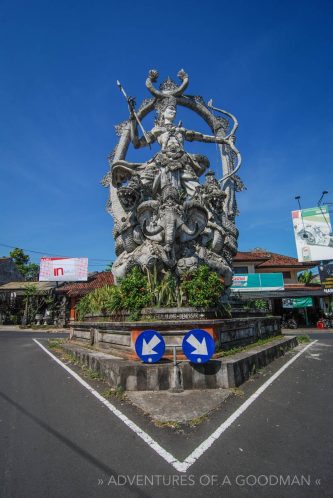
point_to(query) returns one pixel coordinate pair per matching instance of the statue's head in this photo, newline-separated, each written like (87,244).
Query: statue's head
(166,109)
(170,113)
(166,95)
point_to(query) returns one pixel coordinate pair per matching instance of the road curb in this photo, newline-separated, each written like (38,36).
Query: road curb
(217,373)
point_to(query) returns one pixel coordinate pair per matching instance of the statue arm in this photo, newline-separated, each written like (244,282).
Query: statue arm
(191,135)
(229,142)
(136,140)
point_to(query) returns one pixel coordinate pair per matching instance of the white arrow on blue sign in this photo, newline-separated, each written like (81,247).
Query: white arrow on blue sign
(150,346)
(198,346)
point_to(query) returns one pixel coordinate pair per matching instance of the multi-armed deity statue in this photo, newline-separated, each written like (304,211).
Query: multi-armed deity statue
(171,212)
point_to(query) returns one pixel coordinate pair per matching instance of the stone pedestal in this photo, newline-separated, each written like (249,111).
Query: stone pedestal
(119,337)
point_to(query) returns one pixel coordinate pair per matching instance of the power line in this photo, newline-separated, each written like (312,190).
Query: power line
(49,254)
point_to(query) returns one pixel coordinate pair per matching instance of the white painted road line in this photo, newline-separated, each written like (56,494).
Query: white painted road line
(198,452)
(193,457)
(143,435)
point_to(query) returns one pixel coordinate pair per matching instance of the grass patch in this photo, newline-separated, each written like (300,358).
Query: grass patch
(236,391)
(69,357)
(88,373)
(116,392)
(42,327)
(55,343)
(303,339)
(171,424)
(197,421)
(240,349)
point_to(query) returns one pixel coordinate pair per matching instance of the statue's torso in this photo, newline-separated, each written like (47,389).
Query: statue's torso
(169,137)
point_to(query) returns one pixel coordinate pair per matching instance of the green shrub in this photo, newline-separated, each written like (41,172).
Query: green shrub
(134,291)
(257,304)
(203,288)
(199,288)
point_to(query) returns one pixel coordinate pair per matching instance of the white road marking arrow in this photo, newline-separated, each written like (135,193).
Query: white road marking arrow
(200,347)
(148,348)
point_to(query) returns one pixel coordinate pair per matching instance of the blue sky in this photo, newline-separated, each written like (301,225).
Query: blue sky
(267,62)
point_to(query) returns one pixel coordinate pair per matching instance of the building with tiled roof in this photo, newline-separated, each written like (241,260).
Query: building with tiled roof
(95,280)
(263,261)
(75,290)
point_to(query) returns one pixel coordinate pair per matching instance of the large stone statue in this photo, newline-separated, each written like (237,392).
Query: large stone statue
(165,215)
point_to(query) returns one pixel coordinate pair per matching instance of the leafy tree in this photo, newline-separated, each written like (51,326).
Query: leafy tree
(22,262)
(19,258)
(35,302)
(305,277)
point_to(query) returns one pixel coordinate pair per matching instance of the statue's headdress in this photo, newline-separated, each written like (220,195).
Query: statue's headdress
(167,94)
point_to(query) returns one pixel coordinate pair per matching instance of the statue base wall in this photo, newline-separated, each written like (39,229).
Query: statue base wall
(118,338)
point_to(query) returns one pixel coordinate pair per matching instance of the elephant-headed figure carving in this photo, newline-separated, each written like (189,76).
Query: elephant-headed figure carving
(213,198)
(169,221)
(127,231)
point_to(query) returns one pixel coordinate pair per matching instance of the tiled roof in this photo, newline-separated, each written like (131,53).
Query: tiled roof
(305,287)
(250,256)
(94,282)
(270,259)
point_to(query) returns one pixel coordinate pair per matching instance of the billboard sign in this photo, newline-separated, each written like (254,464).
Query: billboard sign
(63,269)
(257,282)
(326,278)
(297,302)
(313,234)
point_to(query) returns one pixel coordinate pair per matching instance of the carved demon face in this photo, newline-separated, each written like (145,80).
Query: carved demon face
(128,197)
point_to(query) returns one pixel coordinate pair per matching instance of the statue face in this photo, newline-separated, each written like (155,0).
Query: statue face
(170,113)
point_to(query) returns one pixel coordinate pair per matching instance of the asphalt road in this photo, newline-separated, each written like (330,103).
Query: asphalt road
(57,440)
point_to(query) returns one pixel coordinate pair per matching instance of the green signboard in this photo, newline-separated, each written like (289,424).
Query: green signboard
(297,302)
(257,282)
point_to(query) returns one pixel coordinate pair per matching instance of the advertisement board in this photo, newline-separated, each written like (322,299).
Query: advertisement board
(297,302)
(257,282)
(326,278)
(313,234)
(63,269)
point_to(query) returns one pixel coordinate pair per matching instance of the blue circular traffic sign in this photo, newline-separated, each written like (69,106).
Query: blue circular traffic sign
(198,346)
(150,346)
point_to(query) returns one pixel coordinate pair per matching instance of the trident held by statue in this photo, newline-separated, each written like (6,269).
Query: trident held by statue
(131,103)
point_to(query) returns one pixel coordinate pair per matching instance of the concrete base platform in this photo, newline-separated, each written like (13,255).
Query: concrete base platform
(118,338)
(227,372)
(178,407)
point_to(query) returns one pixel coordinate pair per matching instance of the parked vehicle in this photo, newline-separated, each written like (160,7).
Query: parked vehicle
(289,322)
(325,322)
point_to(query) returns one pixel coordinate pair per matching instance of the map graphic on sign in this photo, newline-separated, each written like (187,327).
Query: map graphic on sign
(63,269)
(150,346)
(313,234)
(198,346)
